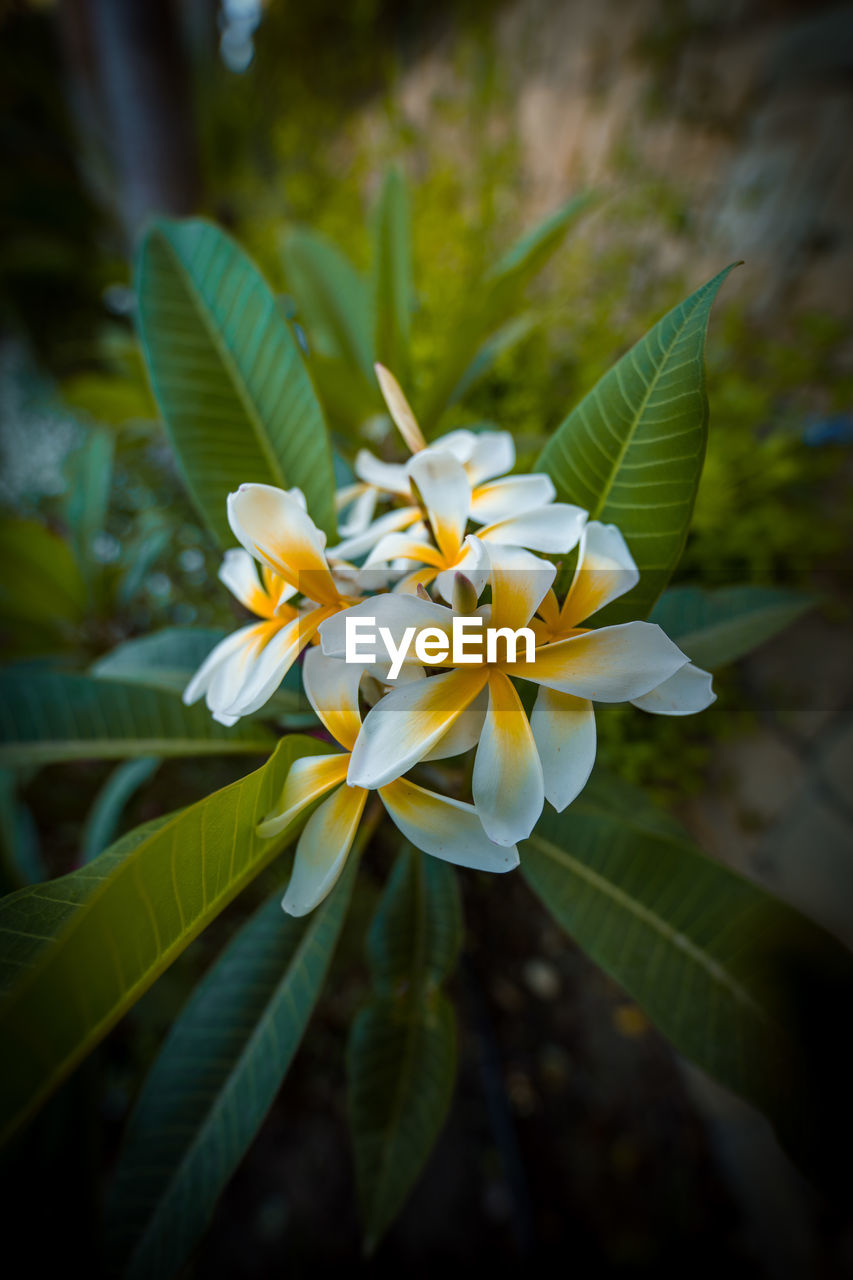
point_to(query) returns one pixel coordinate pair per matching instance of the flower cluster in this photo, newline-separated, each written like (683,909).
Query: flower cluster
(459,540)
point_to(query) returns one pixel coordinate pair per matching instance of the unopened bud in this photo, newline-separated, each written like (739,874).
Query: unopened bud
(400,409)
(464,595)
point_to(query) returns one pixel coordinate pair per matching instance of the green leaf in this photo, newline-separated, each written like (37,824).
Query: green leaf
(227,374)
(401,1057)
(102,820)
(167,659)
(87,946)
(392,275)
(716,627)
(631,452)
(333,300)
(89,472)
(214,1080)
(41,584)
(50,716)
(32,918)
(20,855)
(740,983)
(492,303)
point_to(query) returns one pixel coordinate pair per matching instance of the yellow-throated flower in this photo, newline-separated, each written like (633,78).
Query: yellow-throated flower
(519,763)
(246,668)
(439,825)
(483,456)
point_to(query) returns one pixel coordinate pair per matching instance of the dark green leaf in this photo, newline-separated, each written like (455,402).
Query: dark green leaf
(333,300)
(227,374)
(631,452)
(103,819)
(401,1058)
(214,1080)
(716,627)
(86,947)
(50,716)
(740,983)
(89,471)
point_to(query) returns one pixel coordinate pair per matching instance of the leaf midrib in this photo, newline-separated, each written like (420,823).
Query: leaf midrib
(629,439)
(715,970)
(218,1102)
(201,309)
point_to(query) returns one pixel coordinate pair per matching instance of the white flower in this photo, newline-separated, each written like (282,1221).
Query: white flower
(520,762)
(482,456)
(246,668)
(439,825)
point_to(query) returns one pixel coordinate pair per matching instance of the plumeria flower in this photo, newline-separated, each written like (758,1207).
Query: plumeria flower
(446,496)
(246,668)
(439,825)
(483,456)
(518,763)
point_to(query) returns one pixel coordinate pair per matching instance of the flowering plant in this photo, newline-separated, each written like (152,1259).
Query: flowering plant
(430,635)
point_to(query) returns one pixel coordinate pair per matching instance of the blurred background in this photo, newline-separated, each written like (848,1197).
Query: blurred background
(708,132)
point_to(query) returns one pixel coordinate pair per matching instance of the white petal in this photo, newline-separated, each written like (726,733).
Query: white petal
(322,849)
(465,731)
(360,499)
(408,722)
(605,571)
(493,454)
(554,528)
(237,646)
(399,408)
(446,494)
(683,694)
(307,780)
(403,546)
(510,497)
(459,442)
(396,612)
(365,540)
(564,732)
(612,664)
(272,664)
(391,477)
(519,581)
(273,526)
(507,783)
(445,828)
(332,688)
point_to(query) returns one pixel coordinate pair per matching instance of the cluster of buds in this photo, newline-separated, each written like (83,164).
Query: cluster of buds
(424,626)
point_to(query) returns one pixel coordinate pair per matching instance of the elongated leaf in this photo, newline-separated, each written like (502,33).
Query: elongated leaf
(401,1057)
(167,659)
(41,587)
(20,854)
(333,300)
(214,1080)
(32,918)
(227,373)
(50,716)
(716,627)
(392,275)
(492,302)
(89,470)
(631,452)
(109,804)
(141,910)
(740,983)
